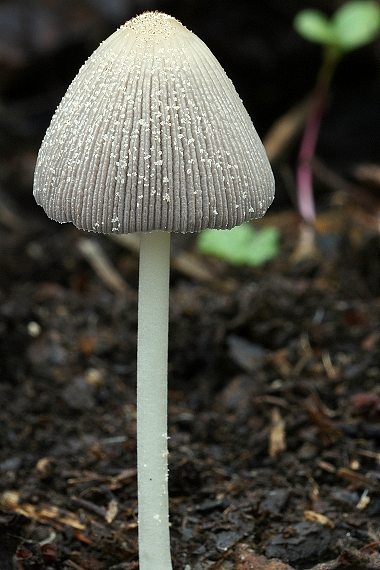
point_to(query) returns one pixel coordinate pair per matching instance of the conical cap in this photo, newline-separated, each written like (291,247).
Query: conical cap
(152,135)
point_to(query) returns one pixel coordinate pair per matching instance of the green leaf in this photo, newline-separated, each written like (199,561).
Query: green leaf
(314,26)
(241,245)
(356,23)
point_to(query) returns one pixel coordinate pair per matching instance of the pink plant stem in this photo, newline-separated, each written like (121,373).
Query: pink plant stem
(305,198)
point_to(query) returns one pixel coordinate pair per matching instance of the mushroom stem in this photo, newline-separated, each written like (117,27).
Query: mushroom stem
(152,365)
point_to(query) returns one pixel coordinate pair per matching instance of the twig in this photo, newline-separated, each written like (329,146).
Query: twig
(73,565)
(184,262)
(100,263)
(89,506)
(285,130)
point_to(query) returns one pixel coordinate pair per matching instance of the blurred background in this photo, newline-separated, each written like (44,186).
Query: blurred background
(44,42)
(248,346)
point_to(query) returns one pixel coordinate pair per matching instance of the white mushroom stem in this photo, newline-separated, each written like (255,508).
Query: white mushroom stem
(152,365)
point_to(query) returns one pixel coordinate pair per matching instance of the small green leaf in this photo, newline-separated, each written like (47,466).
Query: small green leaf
(356,23)
(314,26)
(241,245)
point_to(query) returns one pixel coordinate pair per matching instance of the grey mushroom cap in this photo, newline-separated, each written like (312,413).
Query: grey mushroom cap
(152,135)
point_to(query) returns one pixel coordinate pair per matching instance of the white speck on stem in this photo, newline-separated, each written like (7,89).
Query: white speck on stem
(152,446)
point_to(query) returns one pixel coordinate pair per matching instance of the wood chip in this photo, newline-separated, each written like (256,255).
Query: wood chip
(312,516)
(357,479)
(277,441)
(248,559)
(318,414)
(112,511)
(42,513)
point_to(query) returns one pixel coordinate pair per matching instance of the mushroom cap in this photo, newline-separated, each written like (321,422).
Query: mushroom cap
(152,135)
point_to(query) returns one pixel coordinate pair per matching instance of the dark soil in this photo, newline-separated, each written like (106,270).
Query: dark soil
(273,410)
(274,398)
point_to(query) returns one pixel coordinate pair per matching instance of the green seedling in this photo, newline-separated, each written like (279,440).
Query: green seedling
(353,25)
(241,245)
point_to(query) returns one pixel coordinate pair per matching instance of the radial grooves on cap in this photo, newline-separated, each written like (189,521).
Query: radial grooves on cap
(198,194)
(152,135)
(220,203)
(226,138)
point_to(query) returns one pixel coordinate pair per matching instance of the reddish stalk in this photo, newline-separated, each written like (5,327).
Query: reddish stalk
(305,198)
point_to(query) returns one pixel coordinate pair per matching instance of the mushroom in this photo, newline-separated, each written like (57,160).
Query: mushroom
(152,137)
